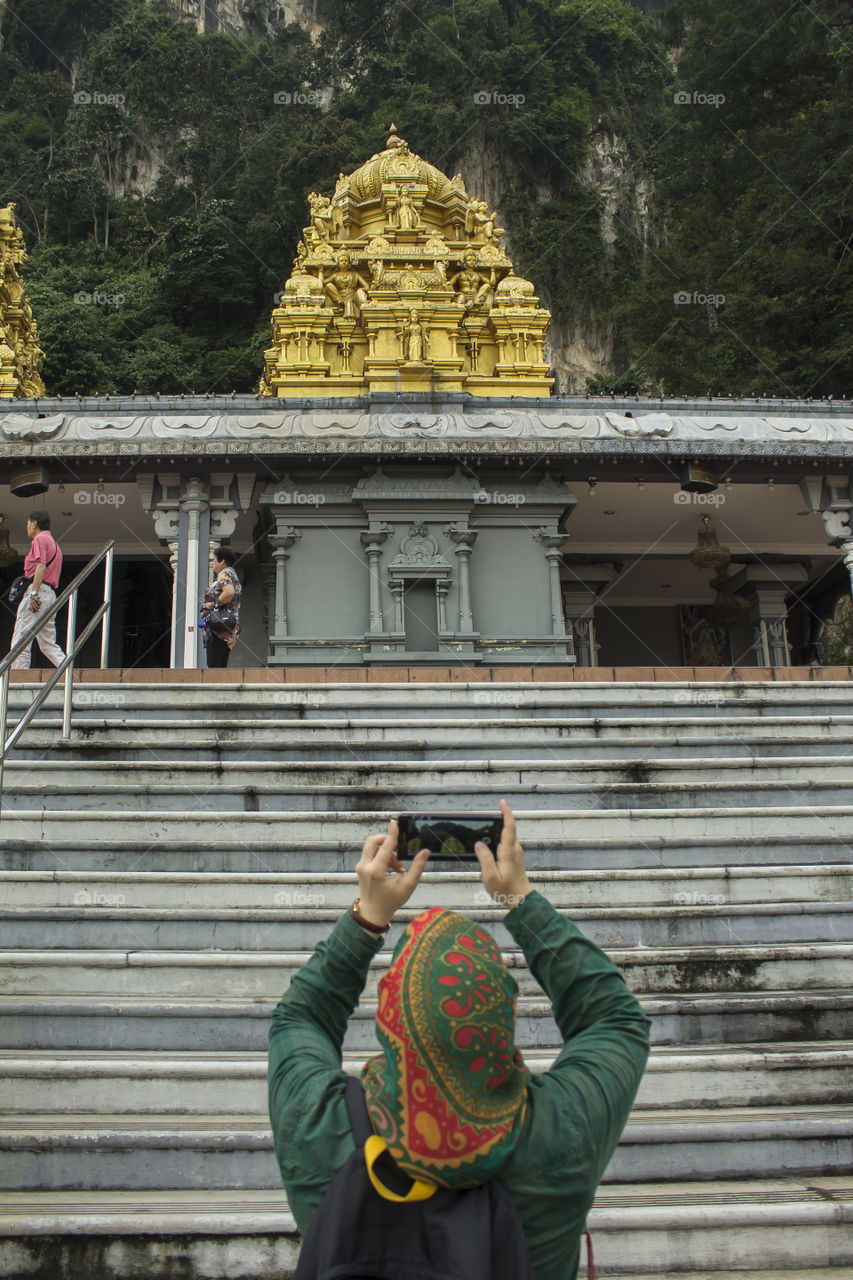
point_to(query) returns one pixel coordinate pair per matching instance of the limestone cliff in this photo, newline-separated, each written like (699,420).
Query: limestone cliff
(584,345)
(253,18)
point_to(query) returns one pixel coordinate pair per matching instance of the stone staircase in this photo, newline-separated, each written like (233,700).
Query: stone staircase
(167,870)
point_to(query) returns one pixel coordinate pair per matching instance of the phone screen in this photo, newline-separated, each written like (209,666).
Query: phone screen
(448,835)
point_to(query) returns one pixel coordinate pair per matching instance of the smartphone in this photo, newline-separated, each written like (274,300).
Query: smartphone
(448,835)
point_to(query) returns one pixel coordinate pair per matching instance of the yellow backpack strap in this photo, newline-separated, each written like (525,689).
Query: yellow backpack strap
(373,1149)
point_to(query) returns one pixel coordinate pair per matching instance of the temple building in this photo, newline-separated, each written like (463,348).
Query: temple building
(406,488)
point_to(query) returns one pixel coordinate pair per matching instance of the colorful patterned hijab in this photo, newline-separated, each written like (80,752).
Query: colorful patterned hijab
(448,1095)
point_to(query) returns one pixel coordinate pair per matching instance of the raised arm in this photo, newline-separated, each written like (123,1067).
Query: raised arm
(604,1030)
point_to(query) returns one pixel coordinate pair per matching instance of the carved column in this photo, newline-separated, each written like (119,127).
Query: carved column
(832,496)
(194,503)
(582,585)
(464,539)
(372,542)
(160,495)
(281,543)
(173,640)
(398,586)
(442,586)
(771,643)
(553,543)
(764,637)
(583,633)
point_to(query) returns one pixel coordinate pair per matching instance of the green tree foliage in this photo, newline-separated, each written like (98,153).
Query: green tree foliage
(759,209)
(161,177)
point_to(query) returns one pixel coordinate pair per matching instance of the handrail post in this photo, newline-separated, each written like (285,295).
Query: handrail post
(4,702)
(108,596)
(69,670)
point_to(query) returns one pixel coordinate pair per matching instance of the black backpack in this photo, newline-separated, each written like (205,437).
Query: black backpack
(356,1234)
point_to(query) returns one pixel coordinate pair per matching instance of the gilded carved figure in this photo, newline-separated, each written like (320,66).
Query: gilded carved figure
(414,338)
(346,288)
(472,289)
(407,215)
(322,217)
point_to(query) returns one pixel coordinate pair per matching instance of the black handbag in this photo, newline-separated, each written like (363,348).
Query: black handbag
(21,583)
(221,621)
(17,588)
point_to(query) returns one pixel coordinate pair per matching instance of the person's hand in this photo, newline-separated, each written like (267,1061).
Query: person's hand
(382,893)
(503,875)
(208,604)
(35,603)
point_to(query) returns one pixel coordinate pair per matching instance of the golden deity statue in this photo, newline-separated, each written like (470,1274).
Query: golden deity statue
(400,283)
(20,354)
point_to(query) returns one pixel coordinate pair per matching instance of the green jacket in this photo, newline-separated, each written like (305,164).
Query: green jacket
(577,1109)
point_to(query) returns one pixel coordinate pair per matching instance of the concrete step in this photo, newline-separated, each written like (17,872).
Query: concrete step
(142,1022)
(108,926)
(581,887)
(504,735)
(332,789)
(762,1230)
(197,1083)
(261,974)
(58,772)
(72,849)
(112,699)
(149,1152)
(571,828)
(572,742)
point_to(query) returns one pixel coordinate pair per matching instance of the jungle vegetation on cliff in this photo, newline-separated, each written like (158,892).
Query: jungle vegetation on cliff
(688,184)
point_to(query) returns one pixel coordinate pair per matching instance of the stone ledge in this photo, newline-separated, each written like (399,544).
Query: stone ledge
(442,675)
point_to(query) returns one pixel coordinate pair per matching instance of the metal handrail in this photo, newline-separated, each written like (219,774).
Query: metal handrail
(73,644)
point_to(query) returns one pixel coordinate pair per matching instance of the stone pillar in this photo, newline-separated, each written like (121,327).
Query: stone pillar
(442,586)
(581,587)
(160,495)
(194,503)
(764,637)
(580,618)
(281,542)
(464,539)
(372,542)
(832,496)
(553,543)
(398,586)
(173,641)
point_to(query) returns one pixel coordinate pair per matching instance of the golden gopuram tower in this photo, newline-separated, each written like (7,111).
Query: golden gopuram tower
(401,284)
(20,354)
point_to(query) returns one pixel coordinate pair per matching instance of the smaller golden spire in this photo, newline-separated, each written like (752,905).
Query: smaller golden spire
(20,354)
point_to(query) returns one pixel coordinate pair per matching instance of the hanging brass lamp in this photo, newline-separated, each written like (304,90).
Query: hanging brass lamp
(708,554)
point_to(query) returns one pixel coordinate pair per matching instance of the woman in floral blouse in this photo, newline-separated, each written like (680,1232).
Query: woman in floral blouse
(223,593)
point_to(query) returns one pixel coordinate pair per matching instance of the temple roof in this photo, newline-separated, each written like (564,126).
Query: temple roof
(397,163)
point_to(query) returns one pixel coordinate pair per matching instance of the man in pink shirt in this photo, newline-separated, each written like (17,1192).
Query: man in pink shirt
(42,565)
